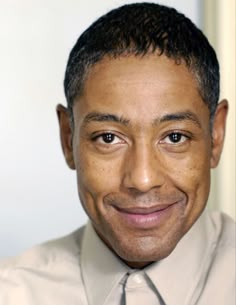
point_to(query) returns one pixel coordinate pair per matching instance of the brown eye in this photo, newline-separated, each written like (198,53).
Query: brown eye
(175,138)
(108,137)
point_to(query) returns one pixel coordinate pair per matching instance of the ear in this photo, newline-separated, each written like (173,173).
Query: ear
(218,132)
(66,135)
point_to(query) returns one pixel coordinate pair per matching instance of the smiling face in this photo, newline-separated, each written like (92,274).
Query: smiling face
(142,149)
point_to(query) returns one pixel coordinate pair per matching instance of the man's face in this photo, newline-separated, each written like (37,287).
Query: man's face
(142,150)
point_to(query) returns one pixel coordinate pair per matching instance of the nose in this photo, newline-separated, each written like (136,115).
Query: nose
(143,169)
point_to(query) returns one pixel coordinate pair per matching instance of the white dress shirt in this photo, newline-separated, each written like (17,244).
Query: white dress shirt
(80,270)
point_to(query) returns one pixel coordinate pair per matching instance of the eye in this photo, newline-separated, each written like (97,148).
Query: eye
(175,138)
(107,138)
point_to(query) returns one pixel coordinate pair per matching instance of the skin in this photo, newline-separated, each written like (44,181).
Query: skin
(142,148)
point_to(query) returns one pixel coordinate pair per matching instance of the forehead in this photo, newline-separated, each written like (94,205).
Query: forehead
(134,86)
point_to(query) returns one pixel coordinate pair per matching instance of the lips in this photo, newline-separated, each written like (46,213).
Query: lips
(144,210)
(146,218)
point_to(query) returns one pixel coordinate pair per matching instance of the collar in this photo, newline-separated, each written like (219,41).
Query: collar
(99,264)
(179,278)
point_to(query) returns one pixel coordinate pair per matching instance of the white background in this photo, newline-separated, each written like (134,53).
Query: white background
(38,193)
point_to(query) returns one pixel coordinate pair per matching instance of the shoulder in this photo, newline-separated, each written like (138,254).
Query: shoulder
(63,248)
(42,268)
(221,276)
(225,226)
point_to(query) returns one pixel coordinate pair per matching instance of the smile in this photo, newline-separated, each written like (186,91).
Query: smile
(146,217)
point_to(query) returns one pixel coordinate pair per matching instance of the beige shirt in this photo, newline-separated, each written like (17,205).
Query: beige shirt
(80,270)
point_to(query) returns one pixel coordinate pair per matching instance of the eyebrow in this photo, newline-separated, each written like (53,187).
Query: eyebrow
(179,116)
(104,117)
(108,117)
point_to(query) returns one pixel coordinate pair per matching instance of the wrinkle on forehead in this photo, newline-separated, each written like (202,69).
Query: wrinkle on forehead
(141,90)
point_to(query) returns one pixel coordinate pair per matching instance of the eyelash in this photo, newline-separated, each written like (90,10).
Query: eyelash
(178,136)
(110,136)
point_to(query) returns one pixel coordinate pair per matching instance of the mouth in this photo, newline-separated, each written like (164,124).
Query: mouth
(146,217)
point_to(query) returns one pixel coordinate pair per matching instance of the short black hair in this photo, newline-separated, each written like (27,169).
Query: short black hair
(138,29)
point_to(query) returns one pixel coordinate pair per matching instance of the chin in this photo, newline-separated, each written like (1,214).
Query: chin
(143,251)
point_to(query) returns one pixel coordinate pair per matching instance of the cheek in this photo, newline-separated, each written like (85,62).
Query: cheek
(191,173)
(96,178)
(192,176)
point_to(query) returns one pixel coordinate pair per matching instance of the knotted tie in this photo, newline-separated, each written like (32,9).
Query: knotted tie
(139,291)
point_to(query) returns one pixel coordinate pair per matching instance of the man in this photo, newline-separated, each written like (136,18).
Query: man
(142,129)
